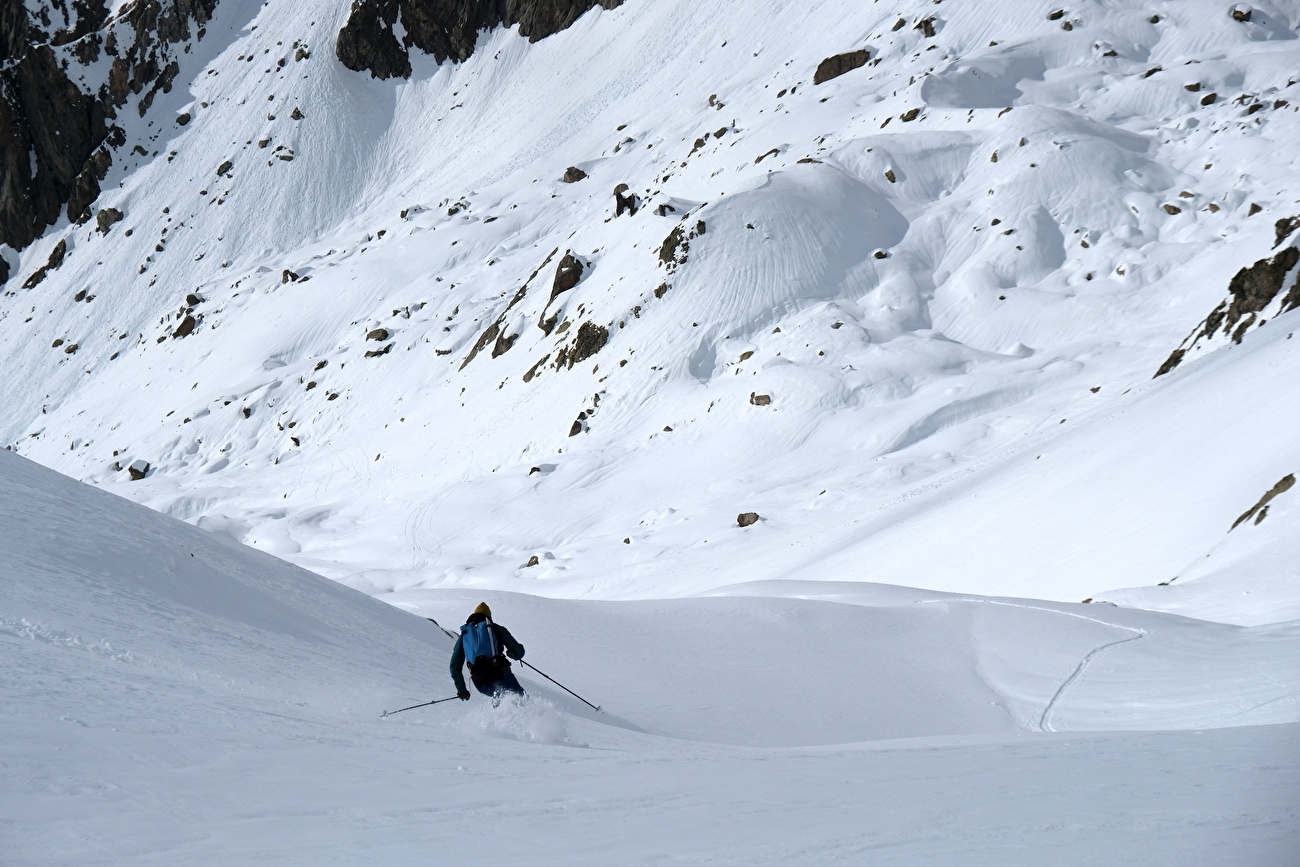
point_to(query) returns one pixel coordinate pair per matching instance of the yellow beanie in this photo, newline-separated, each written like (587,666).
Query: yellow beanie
(483,609)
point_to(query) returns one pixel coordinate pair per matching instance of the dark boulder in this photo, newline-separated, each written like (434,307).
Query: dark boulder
(1285,228)
(624,201)
(591,338)
(105,219)
(567,275)
(186,328)
(834,67)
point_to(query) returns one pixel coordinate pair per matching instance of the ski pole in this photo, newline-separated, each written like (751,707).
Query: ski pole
(446,632)
(560,685)
(596,707)
(414,706)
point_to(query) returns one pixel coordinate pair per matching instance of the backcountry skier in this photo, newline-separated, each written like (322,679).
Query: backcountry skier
(485,646)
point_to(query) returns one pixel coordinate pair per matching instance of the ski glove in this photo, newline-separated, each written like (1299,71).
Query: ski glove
(513,655)
(463,695)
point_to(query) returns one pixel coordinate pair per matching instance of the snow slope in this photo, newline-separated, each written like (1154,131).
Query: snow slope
(169,696)
(953,272)
(908,316)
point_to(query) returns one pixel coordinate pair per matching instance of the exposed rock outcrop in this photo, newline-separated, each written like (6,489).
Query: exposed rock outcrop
(624,200)
(186,328)
(497,333)
(674,249)
(447,29)
(56,259)
(55,138)
(105,219)
(834,67)
(1259,511)
(590,339)
(1285,228)
(1250,293)
(567,275)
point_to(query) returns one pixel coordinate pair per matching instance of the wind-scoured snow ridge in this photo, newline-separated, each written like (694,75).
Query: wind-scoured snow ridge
(550,318)
(228,712)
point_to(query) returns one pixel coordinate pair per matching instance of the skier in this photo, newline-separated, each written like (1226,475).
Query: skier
(481,644)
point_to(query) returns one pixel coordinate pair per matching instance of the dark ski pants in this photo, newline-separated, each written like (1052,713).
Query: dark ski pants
(493,680)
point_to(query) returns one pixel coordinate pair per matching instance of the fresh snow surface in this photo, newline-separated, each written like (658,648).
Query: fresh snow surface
(973,412)
(963,441)
(168,696)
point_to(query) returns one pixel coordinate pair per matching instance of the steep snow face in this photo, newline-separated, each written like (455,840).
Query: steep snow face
(167,695)
(907,316)
(159,603)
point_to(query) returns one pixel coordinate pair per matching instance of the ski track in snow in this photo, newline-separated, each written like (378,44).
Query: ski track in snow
(251,736)
(1045,719)
(23,628)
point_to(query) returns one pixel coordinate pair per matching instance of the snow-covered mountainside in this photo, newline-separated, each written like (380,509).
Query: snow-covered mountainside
(169,696)
(884,411)
(549,314)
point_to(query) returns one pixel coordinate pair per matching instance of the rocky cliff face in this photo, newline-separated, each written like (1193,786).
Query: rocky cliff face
(58,100)
(448,29)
